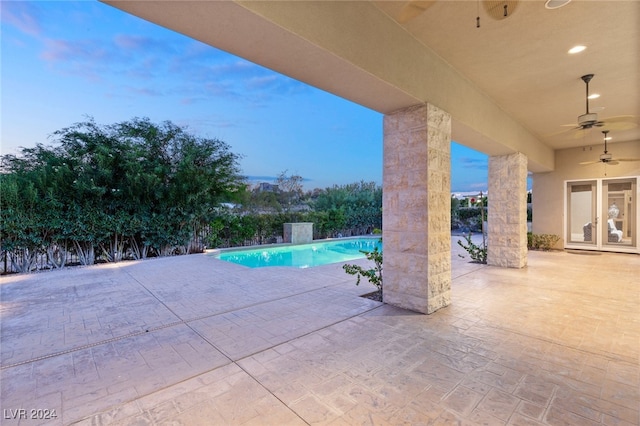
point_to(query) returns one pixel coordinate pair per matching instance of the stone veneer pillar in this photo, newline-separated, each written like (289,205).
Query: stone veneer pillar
(417,208)
(507,215)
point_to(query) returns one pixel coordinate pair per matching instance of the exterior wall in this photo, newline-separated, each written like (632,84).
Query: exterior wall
(548,188)
(507,215)
(416,208)
(298,233)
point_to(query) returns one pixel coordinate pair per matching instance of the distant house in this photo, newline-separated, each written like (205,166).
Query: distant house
(267,187)
(470,197)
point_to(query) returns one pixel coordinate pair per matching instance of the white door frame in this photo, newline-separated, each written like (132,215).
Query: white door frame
(600,221)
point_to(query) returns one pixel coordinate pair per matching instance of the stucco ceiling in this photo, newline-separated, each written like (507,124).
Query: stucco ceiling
(522,62)
(510,85)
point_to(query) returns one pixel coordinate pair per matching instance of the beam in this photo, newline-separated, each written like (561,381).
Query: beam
(353,50)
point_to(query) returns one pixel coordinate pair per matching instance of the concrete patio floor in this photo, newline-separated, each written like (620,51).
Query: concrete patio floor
(193,340)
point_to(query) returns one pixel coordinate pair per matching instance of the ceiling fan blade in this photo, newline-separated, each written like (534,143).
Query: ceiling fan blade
(620,123)
(573,133)
(622,118)
(586,163)
(626,159)
(611,163)
(412,9)
(580,133)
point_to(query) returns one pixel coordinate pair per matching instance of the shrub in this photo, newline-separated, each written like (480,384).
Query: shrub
(468,218)
(373,275)
(477,253)
(543,242)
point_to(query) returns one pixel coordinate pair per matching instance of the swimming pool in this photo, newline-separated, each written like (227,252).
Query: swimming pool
(302,255)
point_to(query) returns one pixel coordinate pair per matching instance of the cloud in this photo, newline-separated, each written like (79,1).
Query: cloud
(480,186)
(228,76)
(261,82)
(135,43)
(217,122)
(469,186)
(269,179)
(473,163)
(144,91)
(76,57)
(21,15)
(155,62)
(73,51)
(235,67)
(261,178)
(274,84)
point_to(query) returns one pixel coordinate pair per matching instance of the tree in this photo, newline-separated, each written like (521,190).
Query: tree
(130,188)
(356,207)
(290,189)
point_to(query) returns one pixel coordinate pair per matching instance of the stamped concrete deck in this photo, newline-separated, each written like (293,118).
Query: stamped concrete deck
(196,341)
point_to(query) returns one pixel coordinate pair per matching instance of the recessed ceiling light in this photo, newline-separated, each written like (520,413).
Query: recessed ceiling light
(555,4)
(593,96)
(576,49)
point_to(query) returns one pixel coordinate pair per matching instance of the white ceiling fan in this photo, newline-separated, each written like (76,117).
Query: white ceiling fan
(606,157)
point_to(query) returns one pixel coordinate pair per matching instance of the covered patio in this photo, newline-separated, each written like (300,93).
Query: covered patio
(495,76)
(194,340)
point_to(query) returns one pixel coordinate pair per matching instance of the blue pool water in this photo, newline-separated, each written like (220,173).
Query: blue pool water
(303,255)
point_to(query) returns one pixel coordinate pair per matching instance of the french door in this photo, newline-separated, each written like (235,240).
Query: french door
(602,214)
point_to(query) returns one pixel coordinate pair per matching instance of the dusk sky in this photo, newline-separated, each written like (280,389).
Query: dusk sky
(64,61)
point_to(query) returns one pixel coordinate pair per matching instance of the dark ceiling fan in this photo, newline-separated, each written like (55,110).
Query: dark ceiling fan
(589,119)
(606,157)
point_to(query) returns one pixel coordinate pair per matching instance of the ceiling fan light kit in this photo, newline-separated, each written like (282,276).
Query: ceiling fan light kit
(586,121)
(606,157)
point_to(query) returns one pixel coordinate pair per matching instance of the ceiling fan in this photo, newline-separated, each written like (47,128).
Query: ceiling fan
(589,120)
(606,157)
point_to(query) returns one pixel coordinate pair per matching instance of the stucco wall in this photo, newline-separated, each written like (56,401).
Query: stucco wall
(548,188)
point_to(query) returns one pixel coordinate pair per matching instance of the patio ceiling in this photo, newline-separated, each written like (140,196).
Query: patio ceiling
(510,85)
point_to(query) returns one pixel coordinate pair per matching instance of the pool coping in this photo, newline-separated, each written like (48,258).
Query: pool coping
(216,251)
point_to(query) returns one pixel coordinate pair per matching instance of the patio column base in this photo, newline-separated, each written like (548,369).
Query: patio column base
(507,213)
(416,208)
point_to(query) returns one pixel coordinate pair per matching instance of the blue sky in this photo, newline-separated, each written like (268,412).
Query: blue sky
(64,61)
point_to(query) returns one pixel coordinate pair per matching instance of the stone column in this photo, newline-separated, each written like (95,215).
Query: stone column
(417,208)
(507,218)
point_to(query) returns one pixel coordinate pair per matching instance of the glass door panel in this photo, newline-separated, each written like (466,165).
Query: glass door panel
(619,207)
(582,221)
